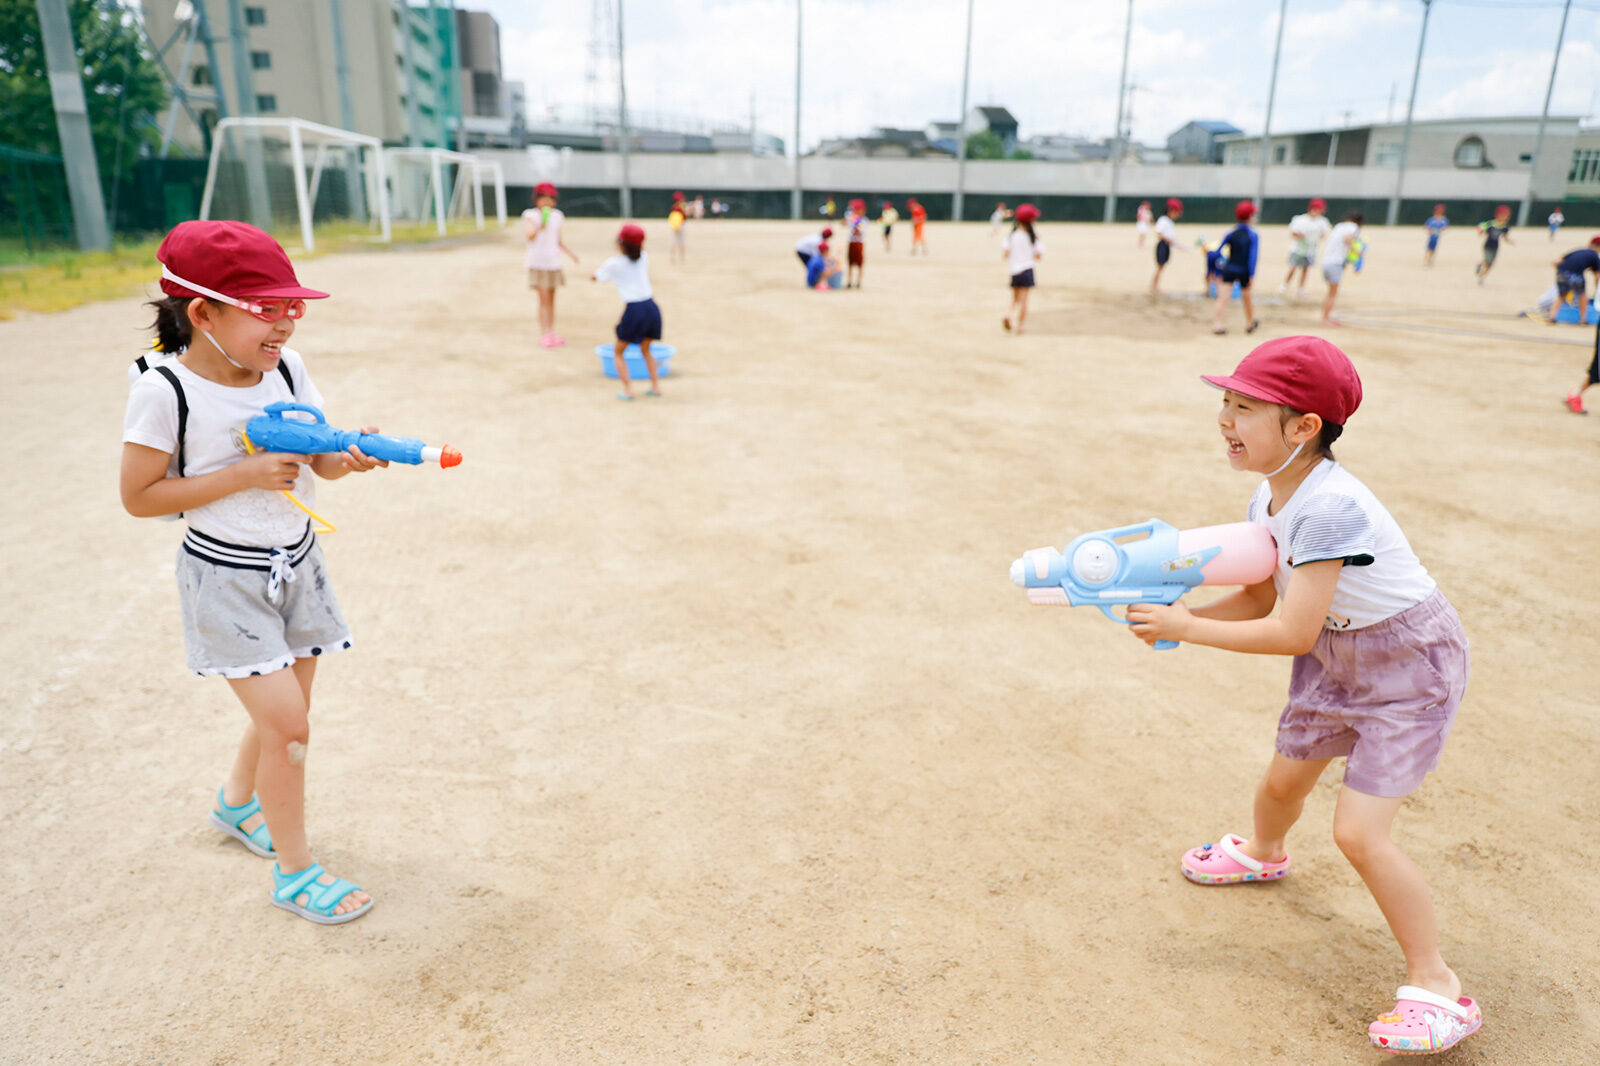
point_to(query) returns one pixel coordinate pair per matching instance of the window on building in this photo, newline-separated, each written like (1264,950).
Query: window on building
(1386,155)
(260,60)
(1585,167)
(1469,153)
(255,16)
(201,76)
(1280,153)
(266,103)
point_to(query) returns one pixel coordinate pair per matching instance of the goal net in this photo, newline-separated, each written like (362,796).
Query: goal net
(437,187)
(293,177)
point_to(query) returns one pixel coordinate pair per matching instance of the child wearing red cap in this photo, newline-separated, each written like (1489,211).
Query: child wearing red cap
(542,260)
(1166,240)
(855,223)
(1022,249)
(256,603)
(1494,231)
(919,220)
(1239,248)
(1335,259)
(641,318)
(1380,663)
(676,217)
(1306,232)
(1142,219)
(887,219)
(1436,224)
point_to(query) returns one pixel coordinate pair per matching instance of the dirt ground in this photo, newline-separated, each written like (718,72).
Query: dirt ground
(710,730)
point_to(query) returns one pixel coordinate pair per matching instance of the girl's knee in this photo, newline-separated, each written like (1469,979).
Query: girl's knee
(1358,841)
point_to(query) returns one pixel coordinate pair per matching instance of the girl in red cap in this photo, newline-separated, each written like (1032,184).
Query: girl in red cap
(1307,232)
(887,219)
(542,259)
(641,318)
(677,215)
(1239,248)
(1166,240)
(257,606)
(919,220)
(1380,663)
(1021,250)
(855,223)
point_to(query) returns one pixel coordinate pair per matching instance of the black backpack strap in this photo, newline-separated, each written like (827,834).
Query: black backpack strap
(183,408)
(142,363)
(288,379)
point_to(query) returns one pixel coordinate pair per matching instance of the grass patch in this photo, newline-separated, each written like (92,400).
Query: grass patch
(62,278)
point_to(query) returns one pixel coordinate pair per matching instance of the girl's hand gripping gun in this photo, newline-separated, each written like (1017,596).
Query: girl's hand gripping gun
(1102,569)
(272,432)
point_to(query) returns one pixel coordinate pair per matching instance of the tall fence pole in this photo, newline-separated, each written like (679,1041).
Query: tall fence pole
(1266,126)
(72,126)
(1544,116)
(1116,143)
(1405,138)
(622,117)
(961,126)
(794,197)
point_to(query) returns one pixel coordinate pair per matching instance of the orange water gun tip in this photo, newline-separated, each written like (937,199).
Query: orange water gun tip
(449,457)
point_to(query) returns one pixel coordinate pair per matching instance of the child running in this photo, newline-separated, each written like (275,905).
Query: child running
(1493,232)
(1142,220)
(1335,258)
(855,222)
(1380,663)
(1307,232)
(542,260)
(641,318)
(1166,241)
(997,219)
(1554,221)
(1022,249)
(253,589)
(887,219)
(1435,225)
(919,219)
(1574,400)
(675,219)
(1240,245)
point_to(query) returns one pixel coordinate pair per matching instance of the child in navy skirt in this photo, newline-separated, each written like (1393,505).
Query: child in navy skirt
(641,318)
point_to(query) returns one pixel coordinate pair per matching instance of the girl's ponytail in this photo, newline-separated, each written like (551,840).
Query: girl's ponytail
(172,323)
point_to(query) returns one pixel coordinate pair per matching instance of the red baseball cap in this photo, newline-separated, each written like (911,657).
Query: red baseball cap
(232,258)
(1174,204)
(677,196)
(858,205)
(1304,373)
(632,233)
(1243,210)
(544,188)
(823,247)
(1502,210)
(1595,239)
(1318,204)
(827,231)
(1438,207)
(1027,212)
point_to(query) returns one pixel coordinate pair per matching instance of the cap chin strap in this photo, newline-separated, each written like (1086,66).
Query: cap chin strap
(229,358)
(1292,455)
(244,305)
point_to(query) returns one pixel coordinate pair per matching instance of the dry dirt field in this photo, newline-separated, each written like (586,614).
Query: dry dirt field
(709,729)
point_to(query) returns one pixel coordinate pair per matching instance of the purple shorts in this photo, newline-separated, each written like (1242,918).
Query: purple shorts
(1383,696)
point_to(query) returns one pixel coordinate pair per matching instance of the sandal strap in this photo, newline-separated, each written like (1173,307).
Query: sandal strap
(287,886)
(1432,999)
(327,897)
(1229,845)
(234,815)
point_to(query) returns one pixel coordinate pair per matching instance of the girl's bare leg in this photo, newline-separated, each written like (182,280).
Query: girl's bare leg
(241,782)
(1249,308)
(622,369)
(547,311)
(1279,800)
(1022,307)
(650,365)
(1224,294)
(1327,305)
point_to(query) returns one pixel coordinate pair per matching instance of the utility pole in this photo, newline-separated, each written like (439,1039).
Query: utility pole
(255,167)
(1266,127)
(794,197)
(961,124)
(1405,139)
(1116,142)
(72,126)
(1544,116)
(622,116)
(347,111)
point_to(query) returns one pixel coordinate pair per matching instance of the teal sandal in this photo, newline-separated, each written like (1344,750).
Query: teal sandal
(320,899)
(228,819)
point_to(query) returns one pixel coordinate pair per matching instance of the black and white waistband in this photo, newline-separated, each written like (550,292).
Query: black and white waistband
(245,556)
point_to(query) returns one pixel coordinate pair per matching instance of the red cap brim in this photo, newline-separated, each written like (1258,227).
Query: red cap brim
(1243,388)
(285,292)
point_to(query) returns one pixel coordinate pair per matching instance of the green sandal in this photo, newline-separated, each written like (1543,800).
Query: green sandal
(228,819)
(320,899)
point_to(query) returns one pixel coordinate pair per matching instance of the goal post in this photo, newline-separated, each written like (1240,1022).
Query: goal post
(438,184)
(258,168)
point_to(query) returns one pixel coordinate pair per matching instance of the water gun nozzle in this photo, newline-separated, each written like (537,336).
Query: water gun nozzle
(449,457)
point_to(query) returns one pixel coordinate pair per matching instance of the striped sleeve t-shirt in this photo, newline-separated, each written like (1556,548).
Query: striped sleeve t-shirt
(1332,515)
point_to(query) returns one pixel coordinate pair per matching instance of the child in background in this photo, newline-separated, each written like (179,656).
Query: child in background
(855,221)
(257,605)
(1142,220)
(1574,400)
(806,246)
(1166,240)
(1554,222)
(888,218)
(1435,225)
(1336,258)
(998,219)
(1572,281)
(919,219)
(641,318)
(1306,232)
(675,219)
(828,209)
(1493,232)
(1241,245)
(542,260)
(823,271)
(1380,664)
(1022,249)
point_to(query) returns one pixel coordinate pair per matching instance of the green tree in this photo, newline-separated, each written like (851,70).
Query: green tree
(1020,153)
(983,145)
(121,82)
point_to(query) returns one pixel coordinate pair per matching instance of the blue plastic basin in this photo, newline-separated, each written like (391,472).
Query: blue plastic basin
(661,353)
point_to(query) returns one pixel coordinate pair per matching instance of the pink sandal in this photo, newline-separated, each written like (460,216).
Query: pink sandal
(1223,863)
(1423,1023)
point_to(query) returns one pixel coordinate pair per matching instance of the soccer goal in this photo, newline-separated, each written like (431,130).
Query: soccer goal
(276,172)
(437,184)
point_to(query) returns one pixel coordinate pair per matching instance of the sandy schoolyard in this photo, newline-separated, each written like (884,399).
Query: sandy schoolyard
(709,730)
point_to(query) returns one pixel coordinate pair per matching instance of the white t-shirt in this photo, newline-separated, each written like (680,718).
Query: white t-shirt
(213,438)
(1021,251)
(1166,228)
(544,250)
(1334,516)
(807,246)
(1308,233)
(631,275)
(1339,243)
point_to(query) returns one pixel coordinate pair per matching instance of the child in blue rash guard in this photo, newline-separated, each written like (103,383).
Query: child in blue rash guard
(1242,244)
(1435,225)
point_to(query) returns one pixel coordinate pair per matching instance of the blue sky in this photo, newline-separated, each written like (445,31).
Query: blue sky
(1055,63)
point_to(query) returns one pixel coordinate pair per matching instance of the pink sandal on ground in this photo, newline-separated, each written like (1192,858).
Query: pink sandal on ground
(1223,863)
(1424,1023)
(547,341)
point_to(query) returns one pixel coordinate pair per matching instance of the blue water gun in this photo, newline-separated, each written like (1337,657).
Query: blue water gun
(1357,256)
(272,432)
(1149,562)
